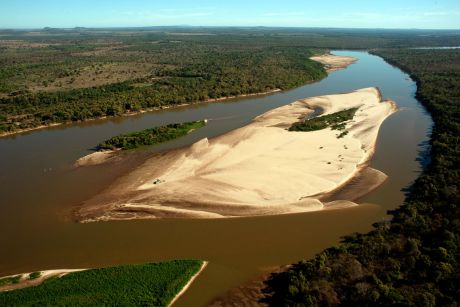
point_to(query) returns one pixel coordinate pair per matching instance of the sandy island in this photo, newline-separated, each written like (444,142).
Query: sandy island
(44,275)
(334,62)
(259,169)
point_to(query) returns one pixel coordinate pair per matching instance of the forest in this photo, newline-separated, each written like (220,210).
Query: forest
(62,75)
(412,259)
(151,284)
(48,80)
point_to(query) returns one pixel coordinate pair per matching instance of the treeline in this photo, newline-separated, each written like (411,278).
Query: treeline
(204,73)
(413,260)
(150,136)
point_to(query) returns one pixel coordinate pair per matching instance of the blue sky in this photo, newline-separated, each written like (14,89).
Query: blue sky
(423,14)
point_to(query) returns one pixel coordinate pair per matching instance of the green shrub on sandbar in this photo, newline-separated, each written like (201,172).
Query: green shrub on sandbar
(151,136)
(336,121)
(10,280)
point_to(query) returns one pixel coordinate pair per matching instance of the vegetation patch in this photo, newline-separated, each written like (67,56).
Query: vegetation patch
(10,280)
(150,136)
(153,284)
(335,121)
(34,275)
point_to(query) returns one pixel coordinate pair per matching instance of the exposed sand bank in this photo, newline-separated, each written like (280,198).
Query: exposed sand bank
(334,62)
(26,282)
(95,158)
(259,169)
(190,282)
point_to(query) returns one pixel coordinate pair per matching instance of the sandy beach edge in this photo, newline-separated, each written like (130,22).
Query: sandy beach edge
(189,283)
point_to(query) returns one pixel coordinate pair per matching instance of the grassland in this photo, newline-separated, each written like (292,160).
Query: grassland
(150,136)
(153,284)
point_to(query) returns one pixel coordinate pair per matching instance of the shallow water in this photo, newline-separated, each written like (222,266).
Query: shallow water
(39,189)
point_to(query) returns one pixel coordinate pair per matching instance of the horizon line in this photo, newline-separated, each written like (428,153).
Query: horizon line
(222,26)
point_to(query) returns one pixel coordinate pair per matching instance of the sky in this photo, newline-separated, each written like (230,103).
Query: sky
(421,14)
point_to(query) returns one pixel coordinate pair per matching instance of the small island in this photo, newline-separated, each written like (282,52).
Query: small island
(133,140)
(156,284)
(150,136)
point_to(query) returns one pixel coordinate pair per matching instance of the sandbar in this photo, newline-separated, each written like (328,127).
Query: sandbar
(259,169)
(334,62)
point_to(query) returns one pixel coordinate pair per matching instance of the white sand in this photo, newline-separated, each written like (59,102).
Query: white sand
(258,169)
(334,62)
(95,158)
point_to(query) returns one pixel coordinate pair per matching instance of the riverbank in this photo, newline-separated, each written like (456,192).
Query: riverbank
(227,176)
(190,282)
(331,61)
(133,113)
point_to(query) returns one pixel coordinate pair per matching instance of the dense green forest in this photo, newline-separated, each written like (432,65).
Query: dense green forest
(153,284)
(412,260)
(150,136)
(52,79)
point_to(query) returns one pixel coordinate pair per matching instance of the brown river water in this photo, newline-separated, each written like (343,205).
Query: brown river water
(40,189)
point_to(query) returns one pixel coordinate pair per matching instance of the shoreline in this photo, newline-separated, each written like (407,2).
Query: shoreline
(331,62)
(210,100)
(190,282)
(224,177)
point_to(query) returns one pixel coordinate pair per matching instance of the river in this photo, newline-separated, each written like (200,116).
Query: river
(40,189)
